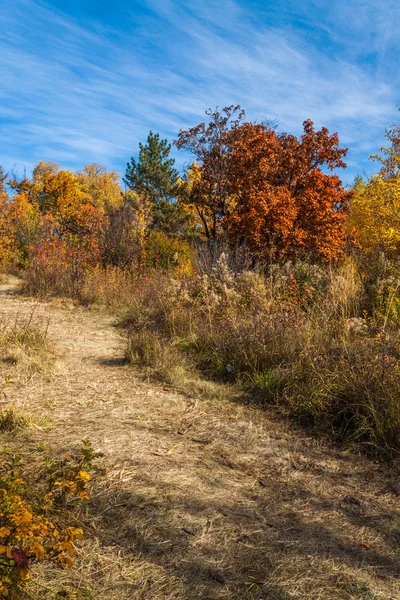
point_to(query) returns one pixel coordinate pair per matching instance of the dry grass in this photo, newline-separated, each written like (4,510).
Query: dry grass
(112,288)
(203,498)
(297,339)
(24,347)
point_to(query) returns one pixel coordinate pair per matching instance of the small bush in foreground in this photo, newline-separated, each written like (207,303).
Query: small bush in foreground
(27,535)
(28,532)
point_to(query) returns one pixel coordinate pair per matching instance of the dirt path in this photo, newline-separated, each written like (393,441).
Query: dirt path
(205,499)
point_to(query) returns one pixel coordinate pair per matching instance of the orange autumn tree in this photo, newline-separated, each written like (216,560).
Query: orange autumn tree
(265,210)
(7,238)
(71,218)
(71,202)
(3,193)
(268,190)
(73,209)
(20,226)
(285,203)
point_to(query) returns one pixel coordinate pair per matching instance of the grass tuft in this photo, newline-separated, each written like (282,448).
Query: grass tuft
(24,343)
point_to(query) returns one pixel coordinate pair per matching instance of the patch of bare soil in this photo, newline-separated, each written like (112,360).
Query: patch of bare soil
(204,499)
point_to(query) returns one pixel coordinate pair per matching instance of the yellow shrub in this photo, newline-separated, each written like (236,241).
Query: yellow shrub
(167,253)
(28,535)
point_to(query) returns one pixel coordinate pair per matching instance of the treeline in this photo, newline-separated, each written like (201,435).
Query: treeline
(268,192)
(247,184)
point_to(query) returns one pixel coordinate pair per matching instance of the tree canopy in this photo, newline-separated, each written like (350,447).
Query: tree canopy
(265,189)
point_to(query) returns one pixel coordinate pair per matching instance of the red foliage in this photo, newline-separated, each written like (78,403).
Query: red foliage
(269,190)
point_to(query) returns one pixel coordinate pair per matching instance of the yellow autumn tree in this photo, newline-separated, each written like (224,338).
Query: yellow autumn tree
(375,205)
(101,185)
(20,226)
(26,221)
(375,213)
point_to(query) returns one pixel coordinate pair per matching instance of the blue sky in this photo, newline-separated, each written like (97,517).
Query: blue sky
(84,80)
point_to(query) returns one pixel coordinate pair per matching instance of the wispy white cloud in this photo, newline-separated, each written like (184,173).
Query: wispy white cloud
(80,91)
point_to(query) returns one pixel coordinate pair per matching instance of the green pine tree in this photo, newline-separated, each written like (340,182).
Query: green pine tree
(154,177)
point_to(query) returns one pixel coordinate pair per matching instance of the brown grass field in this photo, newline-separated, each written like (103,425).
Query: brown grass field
(201,497)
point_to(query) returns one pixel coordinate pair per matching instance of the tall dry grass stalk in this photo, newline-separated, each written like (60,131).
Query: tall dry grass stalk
(24,343)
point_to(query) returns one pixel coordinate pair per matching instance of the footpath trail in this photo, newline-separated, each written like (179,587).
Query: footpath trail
(203,498)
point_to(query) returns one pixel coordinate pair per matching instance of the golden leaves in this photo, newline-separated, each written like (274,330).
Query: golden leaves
(26,534)
(4,532)
(375,213)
